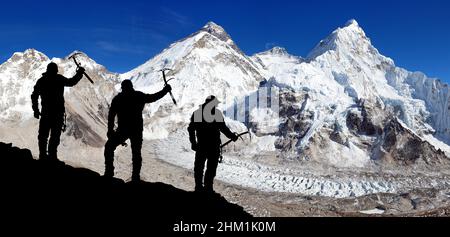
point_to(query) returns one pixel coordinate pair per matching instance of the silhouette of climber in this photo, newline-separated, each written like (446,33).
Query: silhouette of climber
(50,87)
(204,134)
(128,106)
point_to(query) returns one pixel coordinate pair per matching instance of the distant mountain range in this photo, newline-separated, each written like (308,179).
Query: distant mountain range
(344,105)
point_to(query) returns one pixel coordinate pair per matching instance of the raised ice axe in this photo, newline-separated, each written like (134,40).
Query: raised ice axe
(78,65)
(165,82)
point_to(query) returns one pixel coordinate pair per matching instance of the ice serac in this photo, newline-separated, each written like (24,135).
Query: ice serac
(207,62)
(436,95)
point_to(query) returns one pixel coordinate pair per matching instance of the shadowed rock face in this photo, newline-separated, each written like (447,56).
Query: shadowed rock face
(366,119)
(80,129)
(401,146)
(297,120)
(32,188)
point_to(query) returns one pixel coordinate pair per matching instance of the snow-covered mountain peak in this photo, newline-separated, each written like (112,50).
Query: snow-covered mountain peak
(33,53)
(210,41)
(351,31)
(80,57)
(352,22)
(277,51)
(216,30)
(210,25)
(30,55)
(351,37)
(79,54)
(275,59)
(83,59)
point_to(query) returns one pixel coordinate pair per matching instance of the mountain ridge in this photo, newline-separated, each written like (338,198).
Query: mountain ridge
(345,106)
(212,26)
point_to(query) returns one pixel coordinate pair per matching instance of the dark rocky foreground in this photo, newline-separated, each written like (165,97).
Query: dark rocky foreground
(48,193)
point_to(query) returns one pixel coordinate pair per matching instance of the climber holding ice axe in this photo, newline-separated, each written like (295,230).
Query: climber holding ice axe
(127,106)
(50,88)
(204,129)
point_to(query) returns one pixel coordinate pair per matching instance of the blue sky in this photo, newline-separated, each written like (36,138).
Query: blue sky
(124,34)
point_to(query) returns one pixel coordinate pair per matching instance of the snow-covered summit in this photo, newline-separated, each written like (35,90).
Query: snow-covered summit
(29,55)
(277,51)
(220,33)
(84,60)
(351,22)
(349,39)
(275,59)
(216,30)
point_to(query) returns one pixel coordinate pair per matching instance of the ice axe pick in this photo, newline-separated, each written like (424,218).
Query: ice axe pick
(78,65)
(165,82)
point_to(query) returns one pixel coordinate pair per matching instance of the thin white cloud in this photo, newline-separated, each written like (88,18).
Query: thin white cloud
(113,47)
(175,16)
